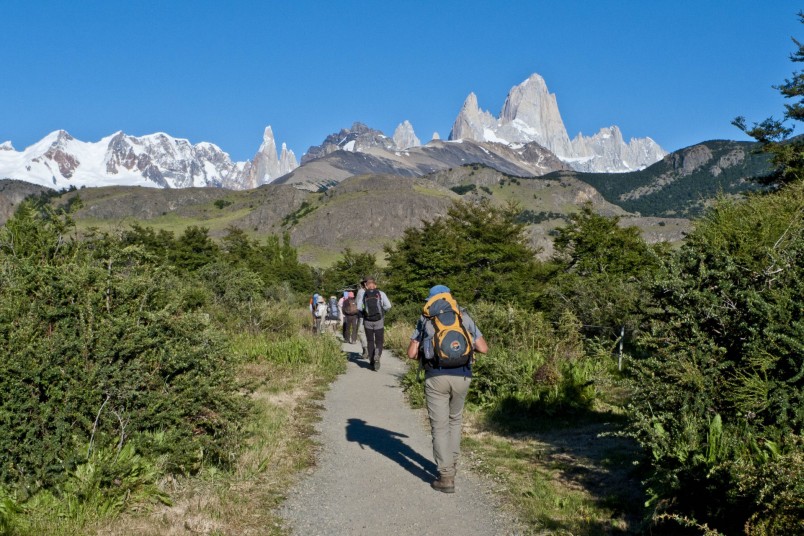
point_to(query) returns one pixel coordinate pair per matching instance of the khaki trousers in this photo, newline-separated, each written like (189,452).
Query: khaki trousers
(445,395)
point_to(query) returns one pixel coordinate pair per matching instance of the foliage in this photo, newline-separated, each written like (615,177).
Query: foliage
(104,362)
(478,250)
(688,194)
(774,136)
(463,189)
(347,271)
(599,268)
(530,216)
(718,392)
(193,249)
(275,261)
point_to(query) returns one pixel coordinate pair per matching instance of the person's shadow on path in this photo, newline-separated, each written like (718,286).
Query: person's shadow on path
(388,444)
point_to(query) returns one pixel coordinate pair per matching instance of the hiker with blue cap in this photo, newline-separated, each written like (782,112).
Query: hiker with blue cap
(445,340)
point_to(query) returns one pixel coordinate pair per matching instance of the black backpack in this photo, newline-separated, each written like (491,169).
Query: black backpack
(372,305)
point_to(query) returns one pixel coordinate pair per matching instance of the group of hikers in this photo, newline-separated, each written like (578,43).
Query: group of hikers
(444,341)
(359,317)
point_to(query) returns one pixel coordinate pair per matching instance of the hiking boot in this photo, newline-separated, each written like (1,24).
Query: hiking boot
(365,354)
(376,364)
(444,484)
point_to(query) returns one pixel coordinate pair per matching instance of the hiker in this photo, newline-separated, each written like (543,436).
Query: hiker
(333,317)
(361,329)
(313,306)
(440,342)
(350,318)
(372,304)
(340,307)
(320,314)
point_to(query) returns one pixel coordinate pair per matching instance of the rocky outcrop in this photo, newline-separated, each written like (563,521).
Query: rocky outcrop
(530,115)
(359,138)
(267,165)
(404,137)
(12,193)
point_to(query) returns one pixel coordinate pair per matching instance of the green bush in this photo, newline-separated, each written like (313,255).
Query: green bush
(101,353)
(719,383)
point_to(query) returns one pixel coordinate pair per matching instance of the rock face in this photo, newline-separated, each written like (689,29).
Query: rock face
(156,160)
(267,165)
(359,138)
(530,114)
(404,137)
(324,172)
(12,193)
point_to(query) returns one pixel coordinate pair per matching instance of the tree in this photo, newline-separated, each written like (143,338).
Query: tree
(718,397)
(599,270)
(194,249)
(773,135)
(349,269)
(478,250)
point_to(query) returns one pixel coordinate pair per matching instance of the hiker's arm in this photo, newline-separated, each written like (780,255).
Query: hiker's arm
(413,349)
(480,345)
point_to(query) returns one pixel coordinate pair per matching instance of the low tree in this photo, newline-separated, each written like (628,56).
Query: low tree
(478,250)
(599,271)
(718,396)
(347,271)
(774,135)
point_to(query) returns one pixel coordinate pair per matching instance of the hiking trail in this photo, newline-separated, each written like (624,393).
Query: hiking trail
(375,464)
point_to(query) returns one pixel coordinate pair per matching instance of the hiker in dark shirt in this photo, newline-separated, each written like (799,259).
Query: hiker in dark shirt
(372,304)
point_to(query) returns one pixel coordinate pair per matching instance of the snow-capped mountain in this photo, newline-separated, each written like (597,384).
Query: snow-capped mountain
(529,118)
(156,160)
(530,114)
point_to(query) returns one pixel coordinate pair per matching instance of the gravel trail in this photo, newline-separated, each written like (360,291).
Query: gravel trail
(375,466)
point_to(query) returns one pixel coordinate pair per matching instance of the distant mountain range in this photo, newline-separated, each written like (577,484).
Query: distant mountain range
(364,211)
(528,138)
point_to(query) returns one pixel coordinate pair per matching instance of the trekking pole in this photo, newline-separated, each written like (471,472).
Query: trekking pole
(620,359)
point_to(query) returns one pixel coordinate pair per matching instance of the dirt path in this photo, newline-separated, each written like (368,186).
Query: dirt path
(375,465)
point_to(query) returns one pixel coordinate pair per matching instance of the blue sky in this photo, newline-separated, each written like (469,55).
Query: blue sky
(677,71)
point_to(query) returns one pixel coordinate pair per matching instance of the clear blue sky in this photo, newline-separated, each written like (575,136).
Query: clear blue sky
(677,71)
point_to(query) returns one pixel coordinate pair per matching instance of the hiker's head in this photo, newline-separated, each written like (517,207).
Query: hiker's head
(369,283)
(438,289)
(350,294)
(345,293)
(320,299)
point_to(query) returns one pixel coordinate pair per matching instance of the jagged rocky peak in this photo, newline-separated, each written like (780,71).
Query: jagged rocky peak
(356,139)
(472,123)
(6,146)
(607,150)
(268,165)
(404,137)
(530,114)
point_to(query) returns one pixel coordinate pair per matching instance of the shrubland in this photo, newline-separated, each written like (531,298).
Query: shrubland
(124,360)
(711,387)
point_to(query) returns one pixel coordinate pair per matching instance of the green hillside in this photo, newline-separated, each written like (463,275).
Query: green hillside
(684,183)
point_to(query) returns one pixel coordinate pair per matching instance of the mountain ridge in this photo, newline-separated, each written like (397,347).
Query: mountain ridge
(530,116)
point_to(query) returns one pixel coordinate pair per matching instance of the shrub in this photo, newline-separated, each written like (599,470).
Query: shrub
(101,353)
(719,392)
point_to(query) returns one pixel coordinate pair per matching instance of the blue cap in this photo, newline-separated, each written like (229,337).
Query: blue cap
(345,293)
(438,289)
